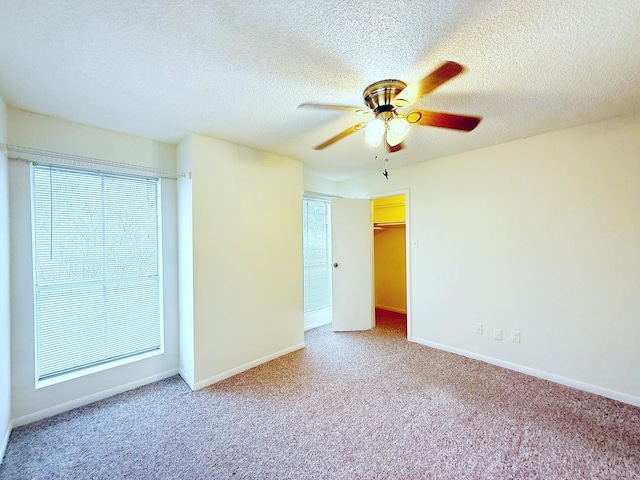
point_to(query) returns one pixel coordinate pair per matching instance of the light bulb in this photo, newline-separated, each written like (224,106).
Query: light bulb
(374,132)
(397,130)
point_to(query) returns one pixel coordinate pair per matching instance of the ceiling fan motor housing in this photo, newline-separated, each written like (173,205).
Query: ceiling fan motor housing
(380,94)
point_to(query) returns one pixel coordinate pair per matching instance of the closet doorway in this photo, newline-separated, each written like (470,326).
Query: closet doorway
(390,259)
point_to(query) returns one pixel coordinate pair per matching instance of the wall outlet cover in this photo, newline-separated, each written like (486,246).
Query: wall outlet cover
(497,334)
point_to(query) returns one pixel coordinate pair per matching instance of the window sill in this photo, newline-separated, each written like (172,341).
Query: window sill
(95,369)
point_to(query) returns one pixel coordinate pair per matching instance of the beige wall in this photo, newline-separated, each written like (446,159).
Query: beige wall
(541,236)
(247,257)
(315,185)
(48,133)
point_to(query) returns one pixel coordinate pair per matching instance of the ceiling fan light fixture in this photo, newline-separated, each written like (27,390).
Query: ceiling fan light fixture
(374,132)
(397,130)
(383,98)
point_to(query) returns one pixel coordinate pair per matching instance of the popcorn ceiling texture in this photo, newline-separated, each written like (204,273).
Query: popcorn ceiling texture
(359,405)
(238,70)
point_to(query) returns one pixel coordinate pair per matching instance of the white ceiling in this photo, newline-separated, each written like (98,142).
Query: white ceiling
(237,70)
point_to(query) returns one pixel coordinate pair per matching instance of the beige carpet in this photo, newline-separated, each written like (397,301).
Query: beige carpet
(361,405)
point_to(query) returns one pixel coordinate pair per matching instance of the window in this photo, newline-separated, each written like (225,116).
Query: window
(97,271)
(317,273)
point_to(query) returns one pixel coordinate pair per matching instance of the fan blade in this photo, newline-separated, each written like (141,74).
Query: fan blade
(341,135)
(343,108)
(443,120)
(395,148)
(415,91)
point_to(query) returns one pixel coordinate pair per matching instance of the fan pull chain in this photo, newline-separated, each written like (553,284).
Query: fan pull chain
(384,172)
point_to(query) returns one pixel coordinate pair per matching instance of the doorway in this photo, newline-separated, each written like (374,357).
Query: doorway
(390,262)
(353,278)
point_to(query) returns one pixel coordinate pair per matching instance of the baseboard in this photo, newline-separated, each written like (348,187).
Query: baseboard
(569,382)
(79,402)
(392,309)
(317,318)
(5,441)
(187,379)
(317,324)
(234,371)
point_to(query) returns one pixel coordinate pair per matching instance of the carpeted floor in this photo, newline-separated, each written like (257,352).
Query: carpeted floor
(360,405)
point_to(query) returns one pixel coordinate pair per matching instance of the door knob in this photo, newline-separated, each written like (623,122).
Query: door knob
(335,265)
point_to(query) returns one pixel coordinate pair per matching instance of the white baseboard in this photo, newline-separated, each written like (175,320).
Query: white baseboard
(5,441)
(392,309)
(187,379)
(317,318)
(79,402)
(317,324)
(569,382)
(234,371)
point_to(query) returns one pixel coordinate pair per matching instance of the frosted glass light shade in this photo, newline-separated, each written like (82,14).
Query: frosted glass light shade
(374,132)
(397,130)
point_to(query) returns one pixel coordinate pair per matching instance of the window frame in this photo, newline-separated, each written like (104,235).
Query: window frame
(109,364)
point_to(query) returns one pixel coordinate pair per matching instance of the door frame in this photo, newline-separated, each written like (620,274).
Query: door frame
(407,248)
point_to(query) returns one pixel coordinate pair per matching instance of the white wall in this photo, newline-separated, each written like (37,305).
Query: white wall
(5,326)
(541,236)
(48,133)
(185,265)
(247,257)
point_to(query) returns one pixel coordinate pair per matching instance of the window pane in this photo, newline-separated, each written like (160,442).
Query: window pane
(68,226)
(131,234)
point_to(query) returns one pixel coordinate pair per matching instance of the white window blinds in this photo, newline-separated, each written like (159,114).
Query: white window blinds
(316,241)
(96,268)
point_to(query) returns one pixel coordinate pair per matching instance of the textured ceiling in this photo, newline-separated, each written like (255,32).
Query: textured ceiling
(237,70)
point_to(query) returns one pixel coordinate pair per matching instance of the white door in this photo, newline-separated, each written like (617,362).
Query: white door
(351,239)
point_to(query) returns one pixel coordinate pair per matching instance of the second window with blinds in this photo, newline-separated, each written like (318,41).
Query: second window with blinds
(317,269)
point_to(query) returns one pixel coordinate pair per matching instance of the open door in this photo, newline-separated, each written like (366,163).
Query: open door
(351,239)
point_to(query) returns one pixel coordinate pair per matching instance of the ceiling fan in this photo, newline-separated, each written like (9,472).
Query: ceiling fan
(383,100)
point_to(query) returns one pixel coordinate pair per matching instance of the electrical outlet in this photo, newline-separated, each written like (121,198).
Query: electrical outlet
(415,244)
(497,334)
(477,328)
(515,336)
